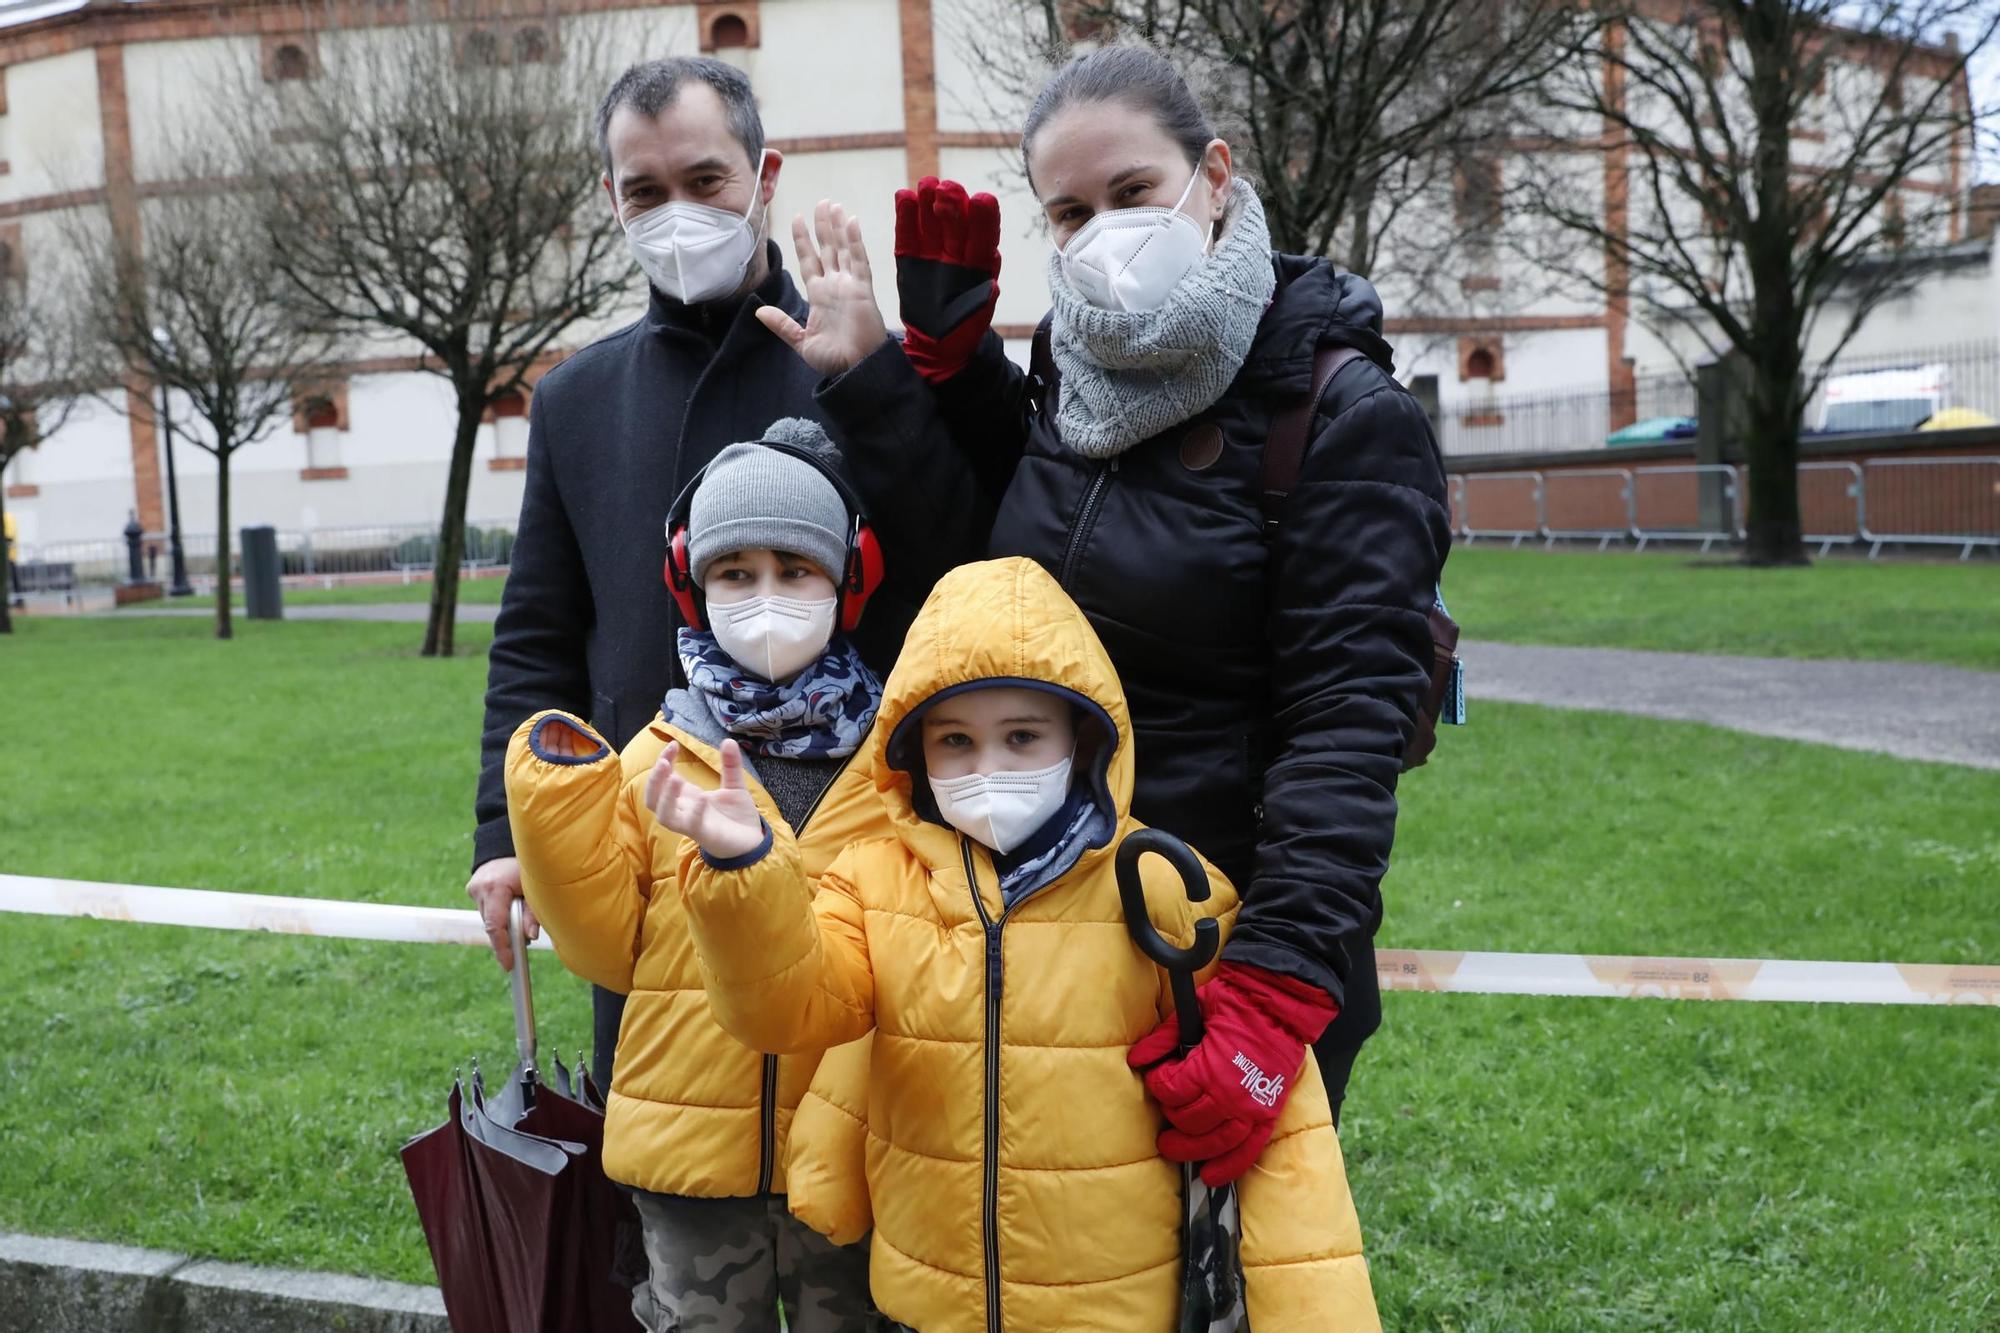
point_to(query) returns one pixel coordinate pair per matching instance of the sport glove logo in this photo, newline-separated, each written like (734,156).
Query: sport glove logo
(1264,1089)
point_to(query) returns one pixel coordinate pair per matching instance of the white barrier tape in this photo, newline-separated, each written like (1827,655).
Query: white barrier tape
(1621,977)
(1444,971)
(327,918)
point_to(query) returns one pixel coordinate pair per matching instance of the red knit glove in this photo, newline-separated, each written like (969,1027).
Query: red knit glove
(1222,1099)
(947,273)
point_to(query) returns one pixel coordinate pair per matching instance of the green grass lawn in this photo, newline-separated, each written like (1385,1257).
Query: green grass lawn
(1894,610)
(482,591)
(1519,1162)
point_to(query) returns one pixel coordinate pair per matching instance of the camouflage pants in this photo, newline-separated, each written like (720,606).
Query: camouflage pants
(723,1265)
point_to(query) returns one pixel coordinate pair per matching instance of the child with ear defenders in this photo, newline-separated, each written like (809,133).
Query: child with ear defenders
(1012,1165)
(770,558)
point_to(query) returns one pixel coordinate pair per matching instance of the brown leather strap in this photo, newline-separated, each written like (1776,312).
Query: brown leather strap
(1291,431)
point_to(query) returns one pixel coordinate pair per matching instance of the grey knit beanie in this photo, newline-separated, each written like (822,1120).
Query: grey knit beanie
(751,496)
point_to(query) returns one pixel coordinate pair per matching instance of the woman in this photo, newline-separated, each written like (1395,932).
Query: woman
(1274,669)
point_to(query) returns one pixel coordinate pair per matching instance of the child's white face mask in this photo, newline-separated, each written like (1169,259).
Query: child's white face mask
(1002,810)
(775,637)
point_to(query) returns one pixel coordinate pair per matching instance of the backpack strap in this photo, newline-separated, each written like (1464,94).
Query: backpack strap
(1291,431)
(1043,381)
(1284,456)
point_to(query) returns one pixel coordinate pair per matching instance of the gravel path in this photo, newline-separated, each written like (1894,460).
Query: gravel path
(1907,709)
(1910,710)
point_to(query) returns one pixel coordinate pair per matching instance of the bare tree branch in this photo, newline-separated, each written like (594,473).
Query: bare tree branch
(194,301)
(436,182)
(1779,158)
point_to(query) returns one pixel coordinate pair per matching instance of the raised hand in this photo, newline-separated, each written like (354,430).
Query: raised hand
(724,822)
(947,273)
(845,324)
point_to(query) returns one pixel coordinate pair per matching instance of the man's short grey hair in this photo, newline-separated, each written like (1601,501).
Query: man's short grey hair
(651,86)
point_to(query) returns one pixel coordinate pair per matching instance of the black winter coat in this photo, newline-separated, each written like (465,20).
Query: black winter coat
(586,623)
(1273,679)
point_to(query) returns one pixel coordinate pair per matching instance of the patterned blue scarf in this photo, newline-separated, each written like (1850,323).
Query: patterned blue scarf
(821,713)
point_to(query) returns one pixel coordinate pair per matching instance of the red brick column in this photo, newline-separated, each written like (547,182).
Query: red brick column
(920,127)
(121,199)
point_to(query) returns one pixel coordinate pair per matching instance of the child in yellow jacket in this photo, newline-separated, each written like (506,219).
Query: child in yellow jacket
(1012,1167)
(769,557)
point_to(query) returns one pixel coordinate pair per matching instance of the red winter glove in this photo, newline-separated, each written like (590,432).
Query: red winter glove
(947,273)
(1222,1099)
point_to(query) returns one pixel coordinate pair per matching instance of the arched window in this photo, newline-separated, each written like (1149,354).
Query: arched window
(1479,366)
(728,31)
(509,415)
(291,62)
(322,414)
(531,45)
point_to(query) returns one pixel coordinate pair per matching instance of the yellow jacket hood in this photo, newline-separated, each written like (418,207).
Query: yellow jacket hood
(998,622)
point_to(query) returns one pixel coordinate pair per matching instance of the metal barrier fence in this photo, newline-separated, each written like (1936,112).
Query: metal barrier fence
(407,549)
(1515,500)
(1600,498)
(1880,501)
(1902,509)
(1680,503)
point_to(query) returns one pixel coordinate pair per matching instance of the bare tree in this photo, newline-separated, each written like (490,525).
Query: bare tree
(194,302)
(1770,165)
(1356,118)
(434,181)
(46,369)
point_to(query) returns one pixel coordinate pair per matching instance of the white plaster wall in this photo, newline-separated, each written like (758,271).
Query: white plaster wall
(84,472)
(171,91)
(1561,372)
(1024,236)
(52,135)
(970,94)
(866,182)
(828,67)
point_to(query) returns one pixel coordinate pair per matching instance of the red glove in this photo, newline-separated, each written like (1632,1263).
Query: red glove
(1222,1098)
(947,273)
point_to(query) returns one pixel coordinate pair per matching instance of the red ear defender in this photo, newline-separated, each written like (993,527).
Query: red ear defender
(864,576)
(680,580)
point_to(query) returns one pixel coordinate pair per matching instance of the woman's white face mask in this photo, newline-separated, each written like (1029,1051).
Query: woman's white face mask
(692,252)
(1002,810)
(775,637)
(1131,259)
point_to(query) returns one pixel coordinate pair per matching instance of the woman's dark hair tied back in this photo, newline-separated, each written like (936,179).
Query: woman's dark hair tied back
(1136,75)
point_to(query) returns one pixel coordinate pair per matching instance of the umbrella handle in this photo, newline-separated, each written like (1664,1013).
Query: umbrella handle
(1180,964)
(524,1000)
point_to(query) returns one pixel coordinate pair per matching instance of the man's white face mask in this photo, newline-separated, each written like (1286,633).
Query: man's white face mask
(775,637)
(692,252)
(1002,810)
(1131,259)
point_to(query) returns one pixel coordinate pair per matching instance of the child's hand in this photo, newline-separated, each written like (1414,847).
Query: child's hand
(724,823)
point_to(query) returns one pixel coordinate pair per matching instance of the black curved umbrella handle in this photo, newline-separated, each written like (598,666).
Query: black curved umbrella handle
(1180,964)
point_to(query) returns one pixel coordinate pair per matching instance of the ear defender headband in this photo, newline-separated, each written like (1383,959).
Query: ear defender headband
(856,583)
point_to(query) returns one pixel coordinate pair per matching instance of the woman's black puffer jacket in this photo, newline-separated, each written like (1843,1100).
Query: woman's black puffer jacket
(1274,677)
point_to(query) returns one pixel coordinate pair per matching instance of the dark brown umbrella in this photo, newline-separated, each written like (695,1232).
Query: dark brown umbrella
(1211,1227)
(522,1224)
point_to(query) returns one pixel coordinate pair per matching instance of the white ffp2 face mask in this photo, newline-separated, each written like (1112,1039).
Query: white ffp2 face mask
(693,252)
(1133,258)
(775,637)
(1002,810)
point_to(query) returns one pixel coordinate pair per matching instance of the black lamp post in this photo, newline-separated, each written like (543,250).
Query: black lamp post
(177,557)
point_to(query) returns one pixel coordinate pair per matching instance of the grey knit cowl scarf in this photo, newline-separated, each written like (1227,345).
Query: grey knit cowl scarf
(1127,376)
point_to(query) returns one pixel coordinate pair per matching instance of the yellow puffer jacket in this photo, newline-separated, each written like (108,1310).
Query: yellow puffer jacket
(1011,1161)
(691,1110)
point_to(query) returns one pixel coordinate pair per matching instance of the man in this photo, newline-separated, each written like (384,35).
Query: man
(586,623)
